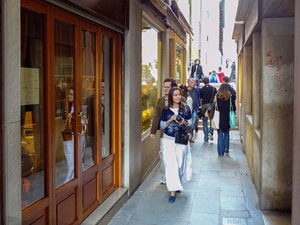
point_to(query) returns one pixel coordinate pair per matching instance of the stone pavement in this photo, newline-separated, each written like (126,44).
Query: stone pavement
(221,192)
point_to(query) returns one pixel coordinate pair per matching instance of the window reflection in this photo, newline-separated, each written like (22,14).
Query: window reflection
(150,75)
(32,126)
(106,97)
(64,102)
(88,115)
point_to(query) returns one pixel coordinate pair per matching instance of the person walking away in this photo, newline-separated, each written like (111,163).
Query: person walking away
(220,74)
(161,103)
(176,117)
(233,100)
(232,91)
(194,92)
(197,72)
(207,95)
(223,105)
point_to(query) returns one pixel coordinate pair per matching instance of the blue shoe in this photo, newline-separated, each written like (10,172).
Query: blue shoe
(172,199)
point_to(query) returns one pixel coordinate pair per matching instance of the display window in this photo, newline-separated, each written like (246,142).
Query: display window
(151,75)
(32,107)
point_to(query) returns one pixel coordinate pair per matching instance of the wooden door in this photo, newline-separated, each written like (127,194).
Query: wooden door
(79,113)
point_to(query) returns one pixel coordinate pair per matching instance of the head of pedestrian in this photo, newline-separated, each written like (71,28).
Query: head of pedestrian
(191,82)
(226,80)
(197,61)
(168,84)
(205,80)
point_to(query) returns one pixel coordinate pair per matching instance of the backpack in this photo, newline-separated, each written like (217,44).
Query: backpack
(213,78)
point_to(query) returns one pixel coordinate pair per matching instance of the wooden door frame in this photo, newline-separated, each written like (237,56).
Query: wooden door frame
(47,205)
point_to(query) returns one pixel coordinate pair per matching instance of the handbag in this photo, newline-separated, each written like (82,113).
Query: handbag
(216,118)
(232,119)
(211,110)
(181,137)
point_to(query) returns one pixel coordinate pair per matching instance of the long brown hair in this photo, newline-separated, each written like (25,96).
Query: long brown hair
(170,98)
(224,92)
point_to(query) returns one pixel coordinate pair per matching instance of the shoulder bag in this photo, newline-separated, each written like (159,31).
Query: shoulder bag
(232,119)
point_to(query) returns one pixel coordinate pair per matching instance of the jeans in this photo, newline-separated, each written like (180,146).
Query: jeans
(223,141)
(194,118)
(206,129)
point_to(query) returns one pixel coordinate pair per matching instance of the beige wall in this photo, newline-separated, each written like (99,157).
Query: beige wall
(296,139)
(265,90)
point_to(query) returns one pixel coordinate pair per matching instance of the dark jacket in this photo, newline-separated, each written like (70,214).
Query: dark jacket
(161,104)
(199,72)
(224,107)
(158,111)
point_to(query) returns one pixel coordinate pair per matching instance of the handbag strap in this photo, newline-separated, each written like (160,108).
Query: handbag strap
(231,108)
(212,93)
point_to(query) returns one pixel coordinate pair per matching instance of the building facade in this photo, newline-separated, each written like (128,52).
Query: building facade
(267,36)
(79,79)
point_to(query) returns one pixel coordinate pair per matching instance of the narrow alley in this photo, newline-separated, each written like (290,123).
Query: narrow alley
(220,193)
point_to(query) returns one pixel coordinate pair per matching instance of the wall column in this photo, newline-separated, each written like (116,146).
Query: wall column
(277,110)
(11,162)
(257,71)
(132,116)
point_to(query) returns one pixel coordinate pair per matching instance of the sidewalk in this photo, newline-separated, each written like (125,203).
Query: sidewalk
(221,192)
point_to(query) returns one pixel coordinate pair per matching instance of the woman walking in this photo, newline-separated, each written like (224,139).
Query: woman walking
(223,105)
(176,121)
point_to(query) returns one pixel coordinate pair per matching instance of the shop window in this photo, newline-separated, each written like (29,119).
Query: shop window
(150,75)
(32,105)
(179,63)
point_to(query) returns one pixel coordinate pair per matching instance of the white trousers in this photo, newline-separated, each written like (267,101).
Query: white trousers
(178,161)
(69,155)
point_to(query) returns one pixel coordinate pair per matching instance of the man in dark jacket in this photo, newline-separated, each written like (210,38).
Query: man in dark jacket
(207,95)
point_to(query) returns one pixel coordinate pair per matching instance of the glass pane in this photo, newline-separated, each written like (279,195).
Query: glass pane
(64,101)
(106,96)
(32,105)
(149,75)
(179,67)
(88,99)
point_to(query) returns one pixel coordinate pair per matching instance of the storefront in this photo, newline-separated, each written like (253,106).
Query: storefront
(164,41)
(70,120)
(73,81)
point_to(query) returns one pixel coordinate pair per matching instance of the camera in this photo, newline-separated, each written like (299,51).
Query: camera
(179,118)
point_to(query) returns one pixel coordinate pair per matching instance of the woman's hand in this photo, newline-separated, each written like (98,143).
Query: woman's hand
(173,117)
(183,122)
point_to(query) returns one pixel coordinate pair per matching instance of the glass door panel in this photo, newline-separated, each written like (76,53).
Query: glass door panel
(64,53)
(106,95)
(88,112)
(32,107)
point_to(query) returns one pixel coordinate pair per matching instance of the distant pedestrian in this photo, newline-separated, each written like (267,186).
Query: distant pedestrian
(207,95)
(220,74)
(223,105)
(176,118)
(213,77)
(233,72)
(197,72)
(194,92)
